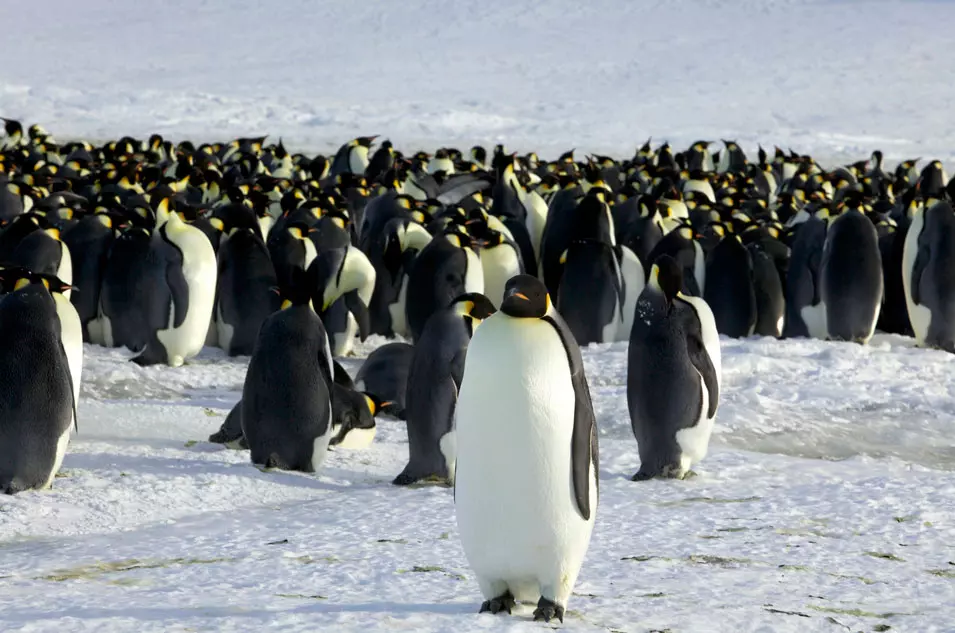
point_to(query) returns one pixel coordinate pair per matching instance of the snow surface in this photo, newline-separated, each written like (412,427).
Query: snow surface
(826,503)
(837,79)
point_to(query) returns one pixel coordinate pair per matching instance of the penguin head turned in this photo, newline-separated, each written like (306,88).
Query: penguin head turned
(473,306)
(525,297)
(666,277)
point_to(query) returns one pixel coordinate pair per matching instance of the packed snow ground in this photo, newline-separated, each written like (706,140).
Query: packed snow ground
(836,79)
(826,504)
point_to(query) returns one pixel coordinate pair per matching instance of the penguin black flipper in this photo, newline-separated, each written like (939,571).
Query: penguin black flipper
(230,433)
(179,291)
(359,310)
(921,261)
(696,350)
(342,376)
(583,448)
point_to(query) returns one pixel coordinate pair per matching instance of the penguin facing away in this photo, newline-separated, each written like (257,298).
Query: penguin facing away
(527,468)
(286,409)
(434,378)
(928,275)
(673,375)
(36,391)
(851,278)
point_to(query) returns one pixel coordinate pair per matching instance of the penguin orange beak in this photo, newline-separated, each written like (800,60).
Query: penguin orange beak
(520,295)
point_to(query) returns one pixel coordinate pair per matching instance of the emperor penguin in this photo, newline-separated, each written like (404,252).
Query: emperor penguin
(434,377)
(928,275)
(123,316)
(286,408)
(44,252)
(244,296)
(805,309)
(673,375)
(191,275)
(344,273)
(446,268)
(89,242)
(851,283)
(352,157)
(590,296)
(729,291)
(527,468)
(500,260)
(36,392)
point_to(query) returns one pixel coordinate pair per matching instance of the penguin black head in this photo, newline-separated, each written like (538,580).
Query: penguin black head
(667,277)
(525,297)
(474,305)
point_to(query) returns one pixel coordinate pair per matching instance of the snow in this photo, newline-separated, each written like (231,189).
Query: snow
(826,498)
(837,79)
(826,502)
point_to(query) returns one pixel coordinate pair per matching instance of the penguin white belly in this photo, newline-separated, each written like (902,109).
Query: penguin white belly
(448,446)
(816,320)
(399,322)
(515,504)
(106,330)
(320,446)
(200,271)
(344,342)
(71,334)
(498,265)
(95,329)
(223,331)
(634,280)
(474,275)
(65,270)
(919,315)
(536,219)
(695,440)
(358,438)
(699,266)
(61,444)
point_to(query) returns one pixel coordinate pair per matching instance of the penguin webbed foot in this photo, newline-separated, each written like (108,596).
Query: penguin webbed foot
(547,610)
(504,602)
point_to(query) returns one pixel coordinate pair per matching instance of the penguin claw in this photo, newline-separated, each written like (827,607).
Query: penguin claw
(504,602)
(547,610)
(641,476)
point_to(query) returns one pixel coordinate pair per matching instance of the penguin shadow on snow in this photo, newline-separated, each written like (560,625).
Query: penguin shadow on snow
(165,467)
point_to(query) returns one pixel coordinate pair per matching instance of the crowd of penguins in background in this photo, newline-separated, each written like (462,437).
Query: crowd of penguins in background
(164,248)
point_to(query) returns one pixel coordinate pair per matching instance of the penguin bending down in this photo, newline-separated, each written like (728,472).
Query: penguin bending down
(36,391)
(928,275)
(673,375)
(526,476)
(353,417)
(385,375)
(434,377)
(851,278)
(286,408)
(190,276)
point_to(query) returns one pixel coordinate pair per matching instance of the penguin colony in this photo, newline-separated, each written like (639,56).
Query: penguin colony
(496,267)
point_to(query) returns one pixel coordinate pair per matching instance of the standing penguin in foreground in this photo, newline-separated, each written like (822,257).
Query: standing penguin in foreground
(437,365)
(526,480)
(36,391)
(673,375)
(851,278)
(286,408)
(928,276)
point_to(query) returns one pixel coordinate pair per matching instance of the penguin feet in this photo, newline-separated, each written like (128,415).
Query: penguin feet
(547,610)
(642,475)
(404,479)
(504,602)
